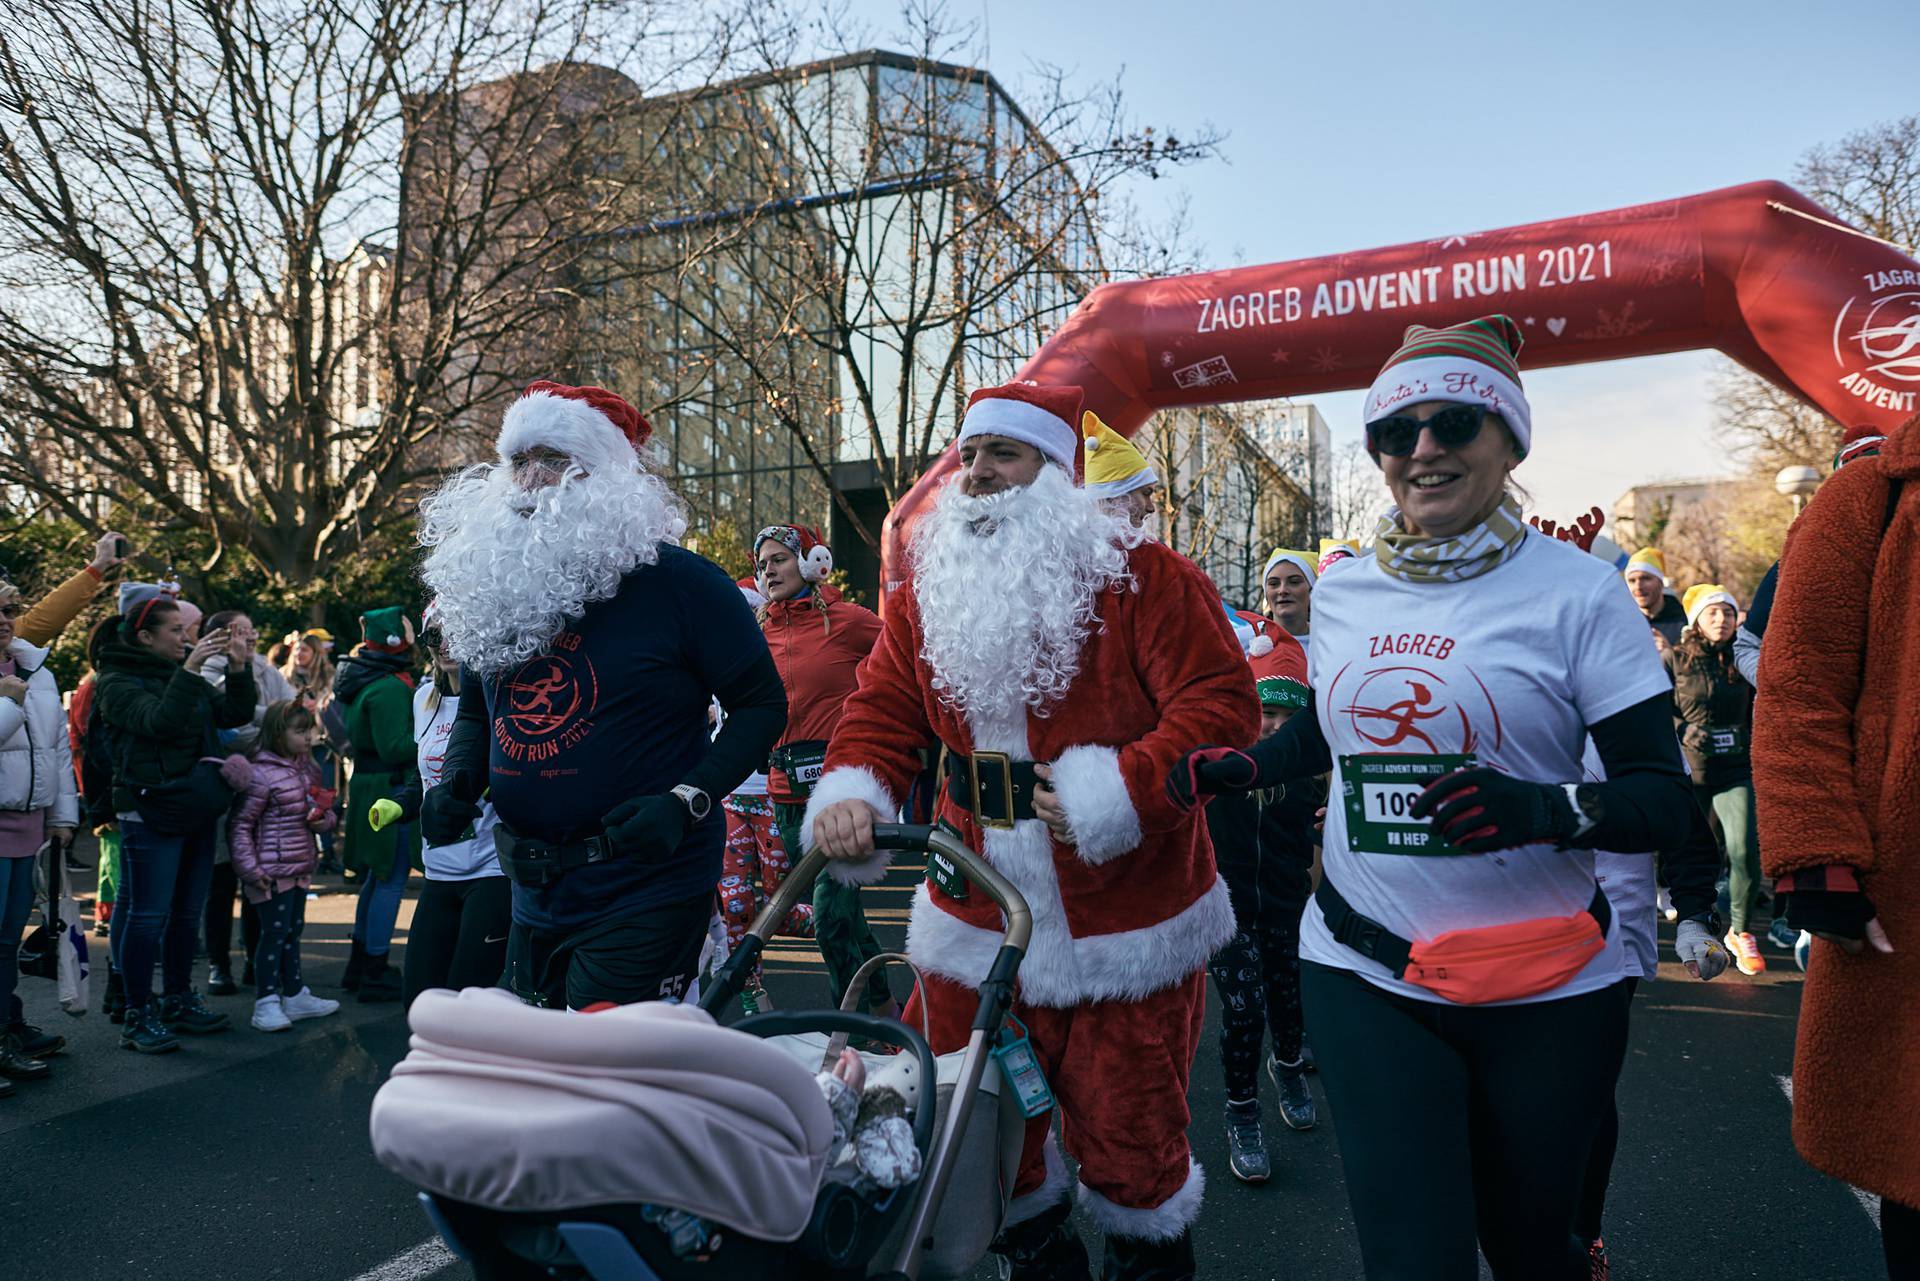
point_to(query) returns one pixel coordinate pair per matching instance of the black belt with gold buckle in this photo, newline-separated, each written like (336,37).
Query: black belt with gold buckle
(994,787)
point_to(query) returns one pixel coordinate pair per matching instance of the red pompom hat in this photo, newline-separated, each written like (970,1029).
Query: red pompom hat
(1048,418)
(591,425)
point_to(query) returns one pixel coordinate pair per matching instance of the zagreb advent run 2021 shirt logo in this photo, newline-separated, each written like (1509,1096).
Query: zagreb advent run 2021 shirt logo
(1881,330)
(1415,695)
(546,706)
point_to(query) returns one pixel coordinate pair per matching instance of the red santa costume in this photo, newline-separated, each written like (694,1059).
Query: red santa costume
(1035,626)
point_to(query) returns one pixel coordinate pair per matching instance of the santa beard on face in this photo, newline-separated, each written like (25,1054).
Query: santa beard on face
(1006,587)
(509,567)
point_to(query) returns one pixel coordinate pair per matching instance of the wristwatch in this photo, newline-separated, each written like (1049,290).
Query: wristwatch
(698,803)
(1587,808)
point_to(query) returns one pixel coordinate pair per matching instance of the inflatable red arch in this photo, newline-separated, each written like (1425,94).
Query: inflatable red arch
(1758,272)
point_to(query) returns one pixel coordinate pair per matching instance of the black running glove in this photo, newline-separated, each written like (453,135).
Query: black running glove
(648,828)
(447,811)
(1479,810)
(1210,771)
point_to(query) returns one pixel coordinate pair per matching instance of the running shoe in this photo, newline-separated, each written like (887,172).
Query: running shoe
(220,982)
(269,1016)
(305,1005)
(1746,953)
(1246,1145)
(1598,1269)
(1782,935)
(1664,902)
(1296,1100)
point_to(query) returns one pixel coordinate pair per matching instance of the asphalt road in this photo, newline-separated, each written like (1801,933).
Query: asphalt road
(246,1155)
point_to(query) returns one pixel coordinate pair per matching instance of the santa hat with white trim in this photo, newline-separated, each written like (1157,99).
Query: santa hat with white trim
(594,427)
(1472,363)
(1043,417)
(1113,466)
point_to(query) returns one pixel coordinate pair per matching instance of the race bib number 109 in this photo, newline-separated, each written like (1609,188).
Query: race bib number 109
(1378,793)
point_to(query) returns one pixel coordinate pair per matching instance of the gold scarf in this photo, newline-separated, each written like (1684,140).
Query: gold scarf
(1449,560)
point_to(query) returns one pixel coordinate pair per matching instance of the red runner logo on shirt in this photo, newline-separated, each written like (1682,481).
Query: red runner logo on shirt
(1404,708)
(546,705)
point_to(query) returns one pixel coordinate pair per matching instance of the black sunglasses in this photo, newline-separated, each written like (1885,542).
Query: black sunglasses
(1453,427)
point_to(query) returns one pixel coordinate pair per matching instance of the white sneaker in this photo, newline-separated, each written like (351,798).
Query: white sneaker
(1664,902)
(305,1005)
(268,1015)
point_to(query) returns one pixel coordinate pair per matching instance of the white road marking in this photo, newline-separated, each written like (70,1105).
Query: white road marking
(1868,1201)
(423,1260)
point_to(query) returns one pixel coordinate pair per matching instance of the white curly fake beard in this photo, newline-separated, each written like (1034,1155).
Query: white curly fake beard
(510,567)
(1007,586)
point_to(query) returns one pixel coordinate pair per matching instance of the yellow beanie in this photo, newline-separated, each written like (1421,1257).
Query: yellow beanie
(1114,466)
(1648,560)
(1701,595)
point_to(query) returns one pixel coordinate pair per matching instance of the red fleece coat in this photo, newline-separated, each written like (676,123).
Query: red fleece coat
(818,654)
(1134,905)
(1836,765)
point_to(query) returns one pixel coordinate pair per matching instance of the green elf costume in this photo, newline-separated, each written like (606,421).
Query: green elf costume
(374,688)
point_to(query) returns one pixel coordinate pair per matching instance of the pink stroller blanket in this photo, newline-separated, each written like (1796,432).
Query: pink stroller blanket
(503,1105)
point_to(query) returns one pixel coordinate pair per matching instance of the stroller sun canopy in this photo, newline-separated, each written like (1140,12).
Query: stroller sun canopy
(510,1107)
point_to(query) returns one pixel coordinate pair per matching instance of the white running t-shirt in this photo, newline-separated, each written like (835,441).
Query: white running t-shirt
(462,860)
(1512,666)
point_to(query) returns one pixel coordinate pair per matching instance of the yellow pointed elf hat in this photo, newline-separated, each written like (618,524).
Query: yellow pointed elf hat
(1113,466)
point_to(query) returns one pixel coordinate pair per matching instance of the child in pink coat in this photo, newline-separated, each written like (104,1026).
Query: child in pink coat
(274,855)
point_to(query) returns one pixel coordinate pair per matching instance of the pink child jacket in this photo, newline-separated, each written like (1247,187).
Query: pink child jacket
(270,836)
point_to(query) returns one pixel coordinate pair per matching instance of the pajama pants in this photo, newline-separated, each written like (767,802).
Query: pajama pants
(1119,1072)
(1257,976)
(754,864)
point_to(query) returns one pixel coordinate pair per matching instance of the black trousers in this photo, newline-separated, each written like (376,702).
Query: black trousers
(1900,1238)
(650,956)
(219,918)
(1461,1125)
(1257,977)
(459,935)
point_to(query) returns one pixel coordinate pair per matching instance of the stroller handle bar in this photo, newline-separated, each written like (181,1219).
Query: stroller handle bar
(996,995)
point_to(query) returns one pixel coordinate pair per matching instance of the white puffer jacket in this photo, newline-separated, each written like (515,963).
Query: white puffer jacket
(36,760)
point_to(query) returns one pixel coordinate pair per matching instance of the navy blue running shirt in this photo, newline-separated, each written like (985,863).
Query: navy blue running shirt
(616,708)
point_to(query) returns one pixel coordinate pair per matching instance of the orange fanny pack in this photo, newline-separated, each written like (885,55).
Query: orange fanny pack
(1477,966)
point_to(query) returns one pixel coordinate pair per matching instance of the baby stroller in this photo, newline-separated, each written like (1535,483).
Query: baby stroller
(649,1143)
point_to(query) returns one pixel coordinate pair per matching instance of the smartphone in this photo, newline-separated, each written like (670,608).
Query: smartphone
(119,547)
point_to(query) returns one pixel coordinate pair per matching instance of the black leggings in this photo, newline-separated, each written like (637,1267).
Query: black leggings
(459,935)
(1606,1141)
(1460,1124)
(1900,1238)
(219,918)
(1258,978)
(276,960)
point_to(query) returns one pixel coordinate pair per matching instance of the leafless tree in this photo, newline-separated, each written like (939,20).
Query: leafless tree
(1357,494)
(267,265)
(875,238)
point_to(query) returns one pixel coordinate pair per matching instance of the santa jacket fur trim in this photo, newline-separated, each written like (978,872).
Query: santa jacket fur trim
(850,783)
(1836,765)
(1138,906)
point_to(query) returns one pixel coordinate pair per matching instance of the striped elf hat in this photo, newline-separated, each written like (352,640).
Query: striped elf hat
(1472,363)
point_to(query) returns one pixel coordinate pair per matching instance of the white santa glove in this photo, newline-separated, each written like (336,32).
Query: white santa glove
(1699,950)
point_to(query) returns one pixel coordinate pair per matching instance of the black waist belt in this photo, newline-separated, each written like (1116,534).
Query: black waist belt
(1378,943)
(997,789)
(538,863)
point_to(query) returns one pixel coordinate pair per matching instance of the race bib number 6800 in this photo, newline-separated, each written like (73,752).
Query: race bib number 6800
(1378,793)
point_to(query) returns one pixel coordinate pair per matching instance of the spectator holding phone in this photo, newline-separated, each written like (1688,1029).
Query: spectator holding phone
(43,624)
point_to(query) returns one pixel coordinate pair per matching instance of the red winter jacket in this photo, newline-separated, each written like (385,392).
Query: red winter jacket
(818,642)
(270,835)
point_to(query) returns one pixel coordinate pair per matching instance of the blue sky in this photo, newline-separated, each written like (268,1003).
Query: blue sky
(1335,112)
